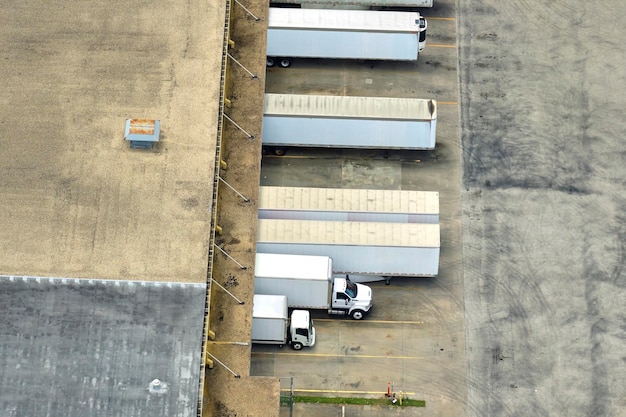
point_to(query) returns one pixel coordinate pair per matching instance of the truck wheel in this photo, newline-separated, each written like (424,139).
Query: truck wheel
(269,62)
(358,314)
(296,346)
(285,63)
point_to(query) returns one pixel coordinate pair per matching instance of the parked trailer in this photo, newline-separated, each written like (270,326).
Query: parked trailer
(348,122)
(271,324)
(355,205)
(343,34)
(307,282)
(366,251)
(362,4)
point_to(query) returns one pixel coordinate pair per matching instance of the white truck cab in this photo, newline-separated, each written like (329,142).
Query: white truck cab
(301,330)
(356,298)
(271,324)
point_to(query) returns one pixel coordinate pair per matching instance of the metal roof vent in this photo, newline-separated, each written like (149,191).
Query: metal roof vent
(142,133)
(157,387)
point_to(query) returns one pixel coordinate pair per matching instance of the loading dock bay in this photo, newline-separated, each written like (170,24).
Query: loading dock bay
(414,336)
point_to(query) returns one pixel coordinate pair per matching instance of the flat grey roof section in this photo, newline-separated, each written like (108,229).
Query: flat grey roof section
(92,348)
(74,199)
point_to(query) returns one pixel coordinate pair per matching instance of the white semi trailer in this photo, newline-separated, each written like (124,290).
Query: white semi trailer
(366,251)
(271,324)
(354,4)
(307,282)
(343,34)
(355,205)
(348,122)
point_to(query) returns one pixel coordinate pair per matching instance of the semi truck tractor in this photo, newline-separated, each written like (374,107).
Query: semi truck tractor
(308,283)
(366,251)
(271,324)
(343,34)
(301,120)
(355,205)
(353,4)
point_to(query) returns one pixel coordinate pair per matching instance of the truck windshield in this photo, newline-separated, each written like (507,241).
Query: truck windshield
(351,290)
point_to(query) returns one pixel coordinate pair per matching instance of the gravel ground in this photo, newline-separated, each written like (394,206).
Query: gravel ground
(227,395)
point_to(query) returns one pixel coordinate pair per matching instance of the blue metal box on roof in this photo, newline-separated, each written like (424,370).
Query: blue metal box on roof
(142,133)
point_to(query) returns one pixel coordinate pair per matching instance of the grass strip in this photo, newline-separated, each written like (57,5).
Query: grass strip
(406,402)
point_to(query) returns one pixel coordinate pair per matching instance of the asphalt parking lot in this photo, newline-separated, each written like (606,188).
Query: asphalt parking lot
(543,206)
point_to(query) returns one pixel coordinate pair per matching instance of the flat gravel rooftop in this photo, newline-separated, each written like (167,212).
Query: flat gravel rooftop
(75,200)
(72,347)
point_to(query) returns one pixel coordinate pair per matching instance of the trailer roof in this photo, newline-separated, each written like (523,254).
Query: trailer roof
(352,200)
(333,19)
(269,306)
(349,107)
(269,265)
(348,233)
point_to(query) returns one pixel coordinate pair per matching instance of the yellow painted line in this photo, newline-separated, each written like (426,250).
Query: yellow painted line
(332,391)
(441,18)
(333,355)
(439,45)
(291,156)
(448,103)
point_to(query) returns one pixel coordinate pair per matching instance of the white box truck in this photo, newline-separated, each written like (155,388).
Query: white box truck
(271,324)
(353,4)
(366,251)
(345,204)
(307,282)
(343,34)
(303,120)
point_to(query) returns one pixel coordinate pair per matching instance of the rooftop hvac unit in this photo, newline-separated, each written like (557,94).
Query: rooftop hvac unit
(142,133)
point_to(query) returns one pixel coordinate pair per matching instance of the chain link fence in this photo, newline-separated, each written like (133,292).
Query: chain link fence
(286,393)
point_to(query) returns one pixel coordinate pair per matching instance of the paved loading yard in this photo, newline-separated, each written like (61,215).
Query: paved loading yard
(543,197)
(415,336)
(543,206)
